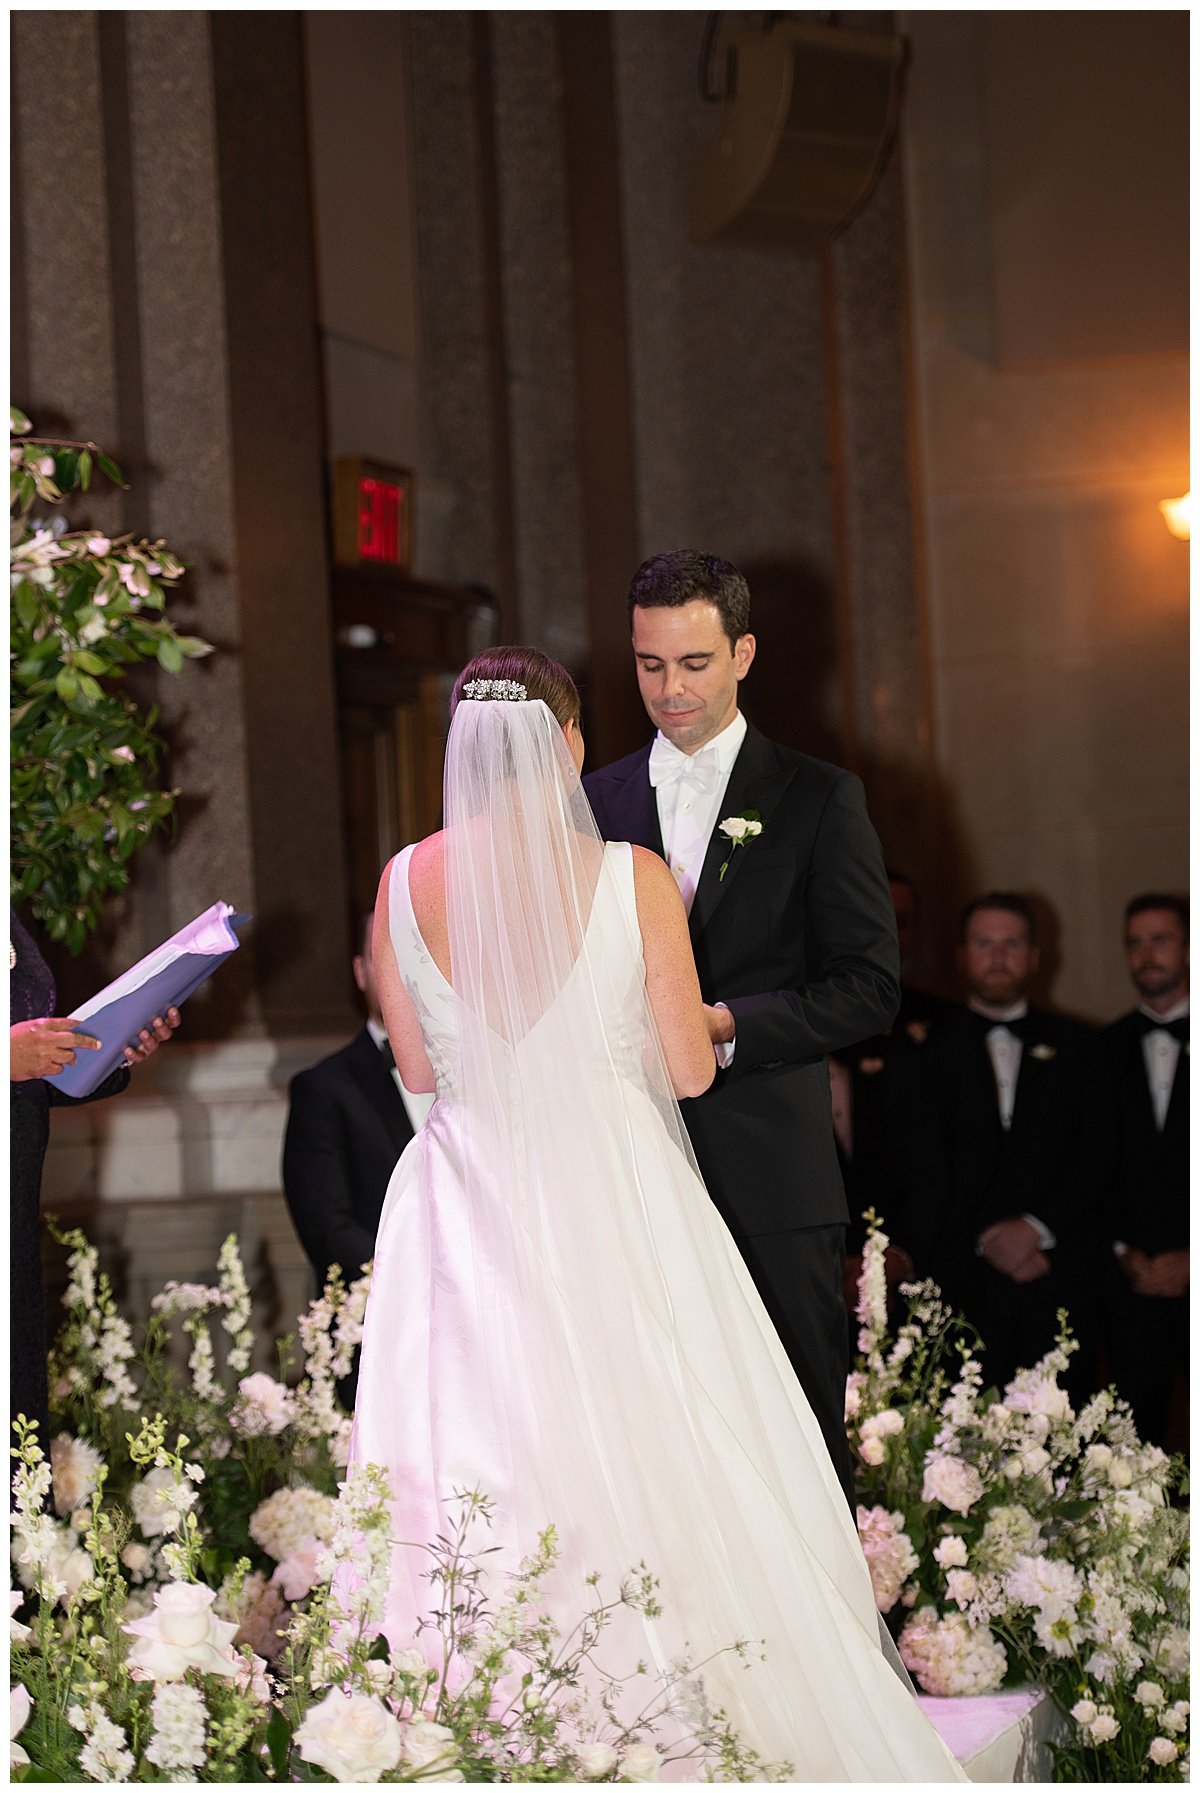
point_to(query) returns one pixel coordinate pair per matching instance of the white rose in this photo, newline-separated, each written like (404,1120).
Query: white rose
(410,1662)
(19,1703)
(352,1736)
(1084,1711)
(75,1467)
(595,1760)
(264,1405)
(872,1450)
(885,1423)
(1149,1693)
(1120,1473)
(1162,1751)
(182,1632)
(1033,1462)
(955,1484)
(737,828)
(1104,1727)
(641,1762)
(951,1553)
(1013,1468)
(961,1586)
(431,1748)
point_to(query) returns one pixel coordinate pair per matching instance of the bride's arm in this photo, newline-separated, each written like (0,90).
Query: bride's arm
(672,985)
(399,1017)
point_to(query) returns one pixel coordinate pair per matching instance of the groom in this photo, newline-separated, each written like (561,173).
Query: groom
(795,941)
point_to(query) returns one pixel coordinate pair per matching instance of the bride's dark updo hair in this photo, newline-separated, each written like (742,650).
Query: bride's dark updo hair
(541,676)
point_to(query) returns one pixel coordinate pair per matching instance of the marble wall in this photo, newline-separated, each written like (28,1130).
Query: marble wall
(1057,601)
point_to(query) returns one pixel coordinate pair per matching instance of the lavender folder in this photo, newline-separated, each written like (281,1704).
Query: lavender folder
(164,979)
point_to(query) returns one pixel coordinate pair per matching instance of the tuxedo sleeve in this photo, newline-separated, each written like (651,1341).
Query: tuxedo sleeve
(317,1179)
(852,990)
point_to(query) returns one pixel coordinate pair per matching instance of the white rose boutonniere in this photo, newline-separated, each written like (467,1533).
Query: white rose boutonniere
(739,829)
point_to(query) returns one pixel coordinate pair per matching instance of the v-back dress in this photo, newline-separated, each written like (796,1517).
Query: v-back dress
(595,1355)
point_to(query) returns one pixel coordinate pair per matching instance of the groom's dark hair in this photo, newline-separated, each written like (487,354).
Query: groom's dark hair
(677,578)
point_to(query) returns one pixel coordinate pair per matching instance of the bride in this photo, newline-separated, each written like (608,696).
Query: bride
(557,1314)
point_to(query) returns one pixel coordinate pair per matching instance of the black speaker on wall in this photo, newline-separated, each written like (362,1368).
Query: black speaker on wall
(808,115)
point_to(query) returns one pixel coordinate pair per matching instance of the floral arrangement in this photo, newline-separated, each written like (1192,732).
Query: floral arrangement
(203,1584)
(1011,1540)
(84,608)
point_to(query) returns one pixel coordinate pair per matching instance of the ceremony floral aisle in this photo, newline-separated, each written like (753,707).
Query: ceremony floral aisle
(183,1618)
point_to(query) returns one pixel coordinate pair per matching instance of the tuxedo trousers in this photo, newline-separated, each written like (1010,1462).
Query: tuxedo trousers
(1146,1339)
(798,1274)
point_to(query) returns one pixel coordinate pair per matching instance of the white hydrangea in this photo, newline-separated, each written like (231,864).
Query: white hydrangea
(888,1549)
(1008,1531)
(178,1717)
(289,1518)
(961,1587)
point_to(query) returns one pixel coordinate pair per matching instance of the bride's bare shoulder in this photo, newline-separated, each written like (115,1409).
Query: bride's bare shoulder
(425,867)
(654,885)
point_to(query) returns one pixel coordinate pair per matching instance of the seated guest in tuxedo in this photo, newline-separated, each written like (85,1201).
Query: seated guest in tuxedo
(349,1119)
(858,1081)
(1001,1157)
(1146,1322)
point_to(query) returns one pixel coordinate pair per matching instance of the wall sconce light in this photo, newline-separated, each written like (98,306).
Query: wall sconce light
(1177,515)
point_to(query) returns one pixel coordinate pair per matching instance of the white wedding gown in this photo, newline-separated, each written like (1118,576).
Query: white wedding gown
(594,1354)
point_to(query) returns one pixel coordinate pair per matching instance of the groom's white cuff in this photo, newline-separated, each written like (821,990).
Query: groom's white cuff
(726,1049)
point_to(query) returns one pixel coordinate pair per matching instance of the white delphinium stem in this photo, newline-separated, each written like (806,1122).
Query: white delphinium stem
(348,1327)
(872,1291)
(38,1537)
(178,1713)
(236,1291)
(318,1413)
(106,1755)
(358,1558)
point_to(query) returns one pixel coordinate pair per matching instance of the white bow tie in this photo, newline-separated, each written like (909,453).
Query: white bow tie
(669,765)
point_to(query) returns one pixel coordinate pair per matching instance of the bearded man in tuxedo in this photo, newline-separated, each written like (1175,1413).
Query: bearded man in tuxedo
(795,941)
(1146,1319)
(999,1132)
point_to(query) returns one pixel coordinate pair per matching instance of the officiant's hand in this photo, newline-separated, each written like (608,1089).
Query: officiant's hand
(1167,1275)
(150,1038)
(721,1026)
(43,1047)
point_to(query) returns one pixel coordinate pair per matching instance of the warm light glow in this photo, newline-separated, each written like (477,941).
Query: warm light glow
(1177,515)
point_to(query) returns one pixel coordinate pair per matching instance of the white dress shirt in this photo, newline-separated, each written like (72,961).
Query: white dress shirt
(416,1107)
(1004,1050)
(689,789)
(1161,1050)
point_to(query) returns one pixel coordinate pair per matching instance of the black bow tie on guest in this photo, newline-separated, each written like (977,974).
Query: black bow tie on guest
(1019,1026)
(1178,1029)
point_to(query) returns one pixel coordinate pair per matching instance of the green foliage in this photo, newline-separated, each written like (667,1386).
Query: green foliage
(84,782)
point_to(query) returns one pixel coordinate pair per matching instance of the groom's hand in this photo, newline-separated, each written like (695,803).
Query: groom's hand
(720,1024)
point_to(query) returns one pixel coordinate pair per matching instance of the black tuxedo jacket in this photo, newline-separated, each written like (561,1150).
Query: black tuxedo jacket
(347,1126)
(961,1171)
(870,1174)
(1148,1189)
(799,940)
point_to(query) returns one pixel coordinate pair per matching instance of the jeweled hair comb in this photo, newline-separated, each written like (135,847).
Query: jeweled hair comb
(509,691)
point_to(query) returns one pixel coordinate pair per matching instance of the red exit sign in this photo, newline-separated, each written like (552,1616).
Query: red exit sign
(372,514)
